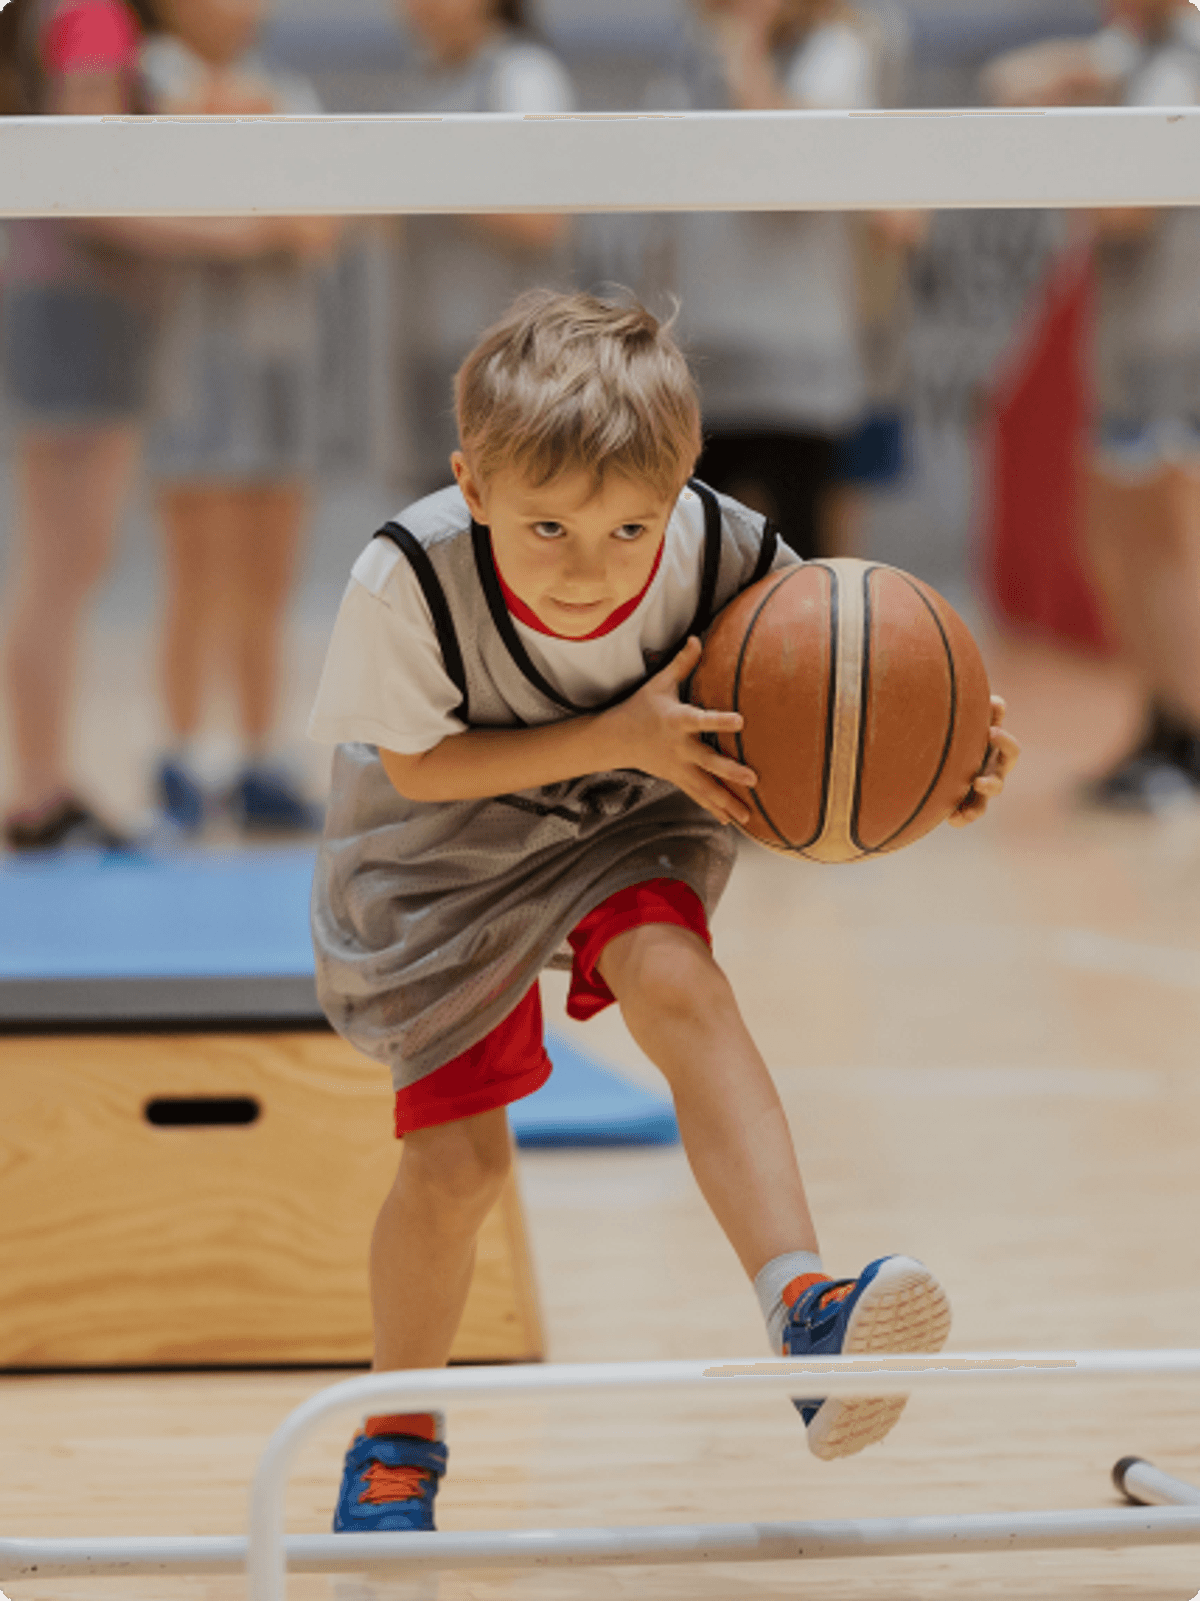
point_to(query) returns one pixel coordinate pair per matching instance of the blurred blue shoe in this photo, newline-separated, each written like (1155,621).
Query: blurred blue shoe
(895,1305)
(181,798)
(268,800)
(389,1482)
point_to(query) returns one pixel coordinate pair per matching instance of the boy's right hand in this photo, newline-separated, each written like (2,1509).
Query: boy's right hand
(660,734)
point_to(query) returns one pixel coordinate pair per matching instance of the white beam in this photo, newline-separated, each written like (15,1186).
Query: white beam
(397,1555)
(751,161)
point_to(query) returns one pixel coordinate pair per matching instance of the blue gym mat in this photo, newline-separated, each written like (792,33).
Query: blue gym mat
(206,940)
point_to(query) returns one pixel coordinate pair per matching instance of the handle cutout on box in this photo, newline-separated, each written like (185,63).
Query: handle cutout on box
(202,1111)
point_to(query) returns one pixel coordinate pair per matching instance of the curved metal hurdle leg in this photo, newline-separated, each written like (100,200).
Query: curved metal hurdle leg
(269,1551)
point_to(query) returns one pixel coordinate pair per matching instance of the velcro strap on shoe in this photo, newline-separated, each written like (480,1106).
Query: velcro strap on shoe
(399,1451)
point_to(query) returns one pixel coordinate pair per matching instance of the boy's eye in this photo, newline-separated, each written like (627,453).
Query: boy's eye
(548,530)
(629,531)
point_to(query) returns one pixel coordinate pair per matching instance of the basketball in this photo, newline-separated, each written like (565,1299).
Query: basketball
(866,707)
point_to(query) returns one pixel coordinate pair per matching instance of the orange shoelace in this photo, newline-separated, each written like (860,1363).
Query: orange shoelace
(386,1483)
(832,1297)
(836,1292)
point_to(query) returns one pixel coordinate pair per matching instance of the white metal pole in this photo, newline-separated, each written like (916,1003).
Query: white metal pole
(1142,1482)
(419,1390)
(699,161)
(545,1548)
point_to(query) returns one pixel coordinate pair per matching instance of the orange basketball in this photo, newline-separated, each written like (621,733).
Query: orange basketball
(866,706)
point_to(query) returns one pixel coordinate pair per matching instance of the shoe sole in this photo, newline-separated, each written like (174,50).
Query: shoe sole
(904,1309)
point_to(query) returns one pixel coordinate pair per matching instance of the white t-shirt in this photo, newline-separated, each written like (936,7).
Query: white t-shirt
(384,682)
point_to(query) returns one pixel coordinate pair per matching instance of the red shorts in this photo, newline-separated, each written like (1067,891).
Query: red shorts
(511,1061)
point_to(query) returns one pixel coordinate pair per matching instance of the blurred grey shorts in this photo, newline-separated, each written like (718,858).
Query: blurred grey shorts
(72,355)
(232,418)
(1137,448)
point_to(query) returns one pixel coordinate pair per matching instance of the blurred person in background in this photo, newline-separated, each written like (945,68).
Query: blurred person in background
(874,457)
(458,274)
(79,315)
(233,445)
(75,354)
(769,303)
(1144,490)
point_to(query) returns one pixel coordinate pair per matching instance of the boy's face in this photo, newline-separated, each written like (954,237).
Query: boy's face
(572,550)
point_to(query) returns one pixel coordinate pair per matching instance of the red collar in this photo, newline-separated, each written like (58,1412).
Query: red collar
(523,614)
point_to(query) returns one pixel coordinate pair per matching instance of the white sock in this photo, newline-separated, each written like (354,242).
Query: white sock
(770,1283)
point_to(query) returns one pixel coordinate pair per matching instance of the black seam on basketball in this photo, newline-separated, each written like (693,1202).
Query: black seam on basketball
(439,607)
(863,702)
(831,692)
(737,689)
(953,719)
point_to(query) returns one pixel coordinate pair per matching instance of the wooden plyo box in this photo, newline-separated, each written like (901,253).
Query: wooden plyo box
(131,1239)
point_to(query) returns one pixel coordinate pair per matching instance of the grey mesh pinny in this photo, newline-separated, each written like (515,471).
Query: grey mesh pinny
(431,920)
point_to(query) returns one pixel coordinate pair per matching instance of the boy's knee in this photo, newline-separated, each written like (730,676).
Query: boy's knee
(665,966)
(462,1166)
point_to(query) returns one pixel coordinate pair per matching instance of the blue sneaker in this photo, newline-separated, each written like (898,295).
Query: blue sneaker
(389,1482)
(268,800)
(895,1305)
(180,795)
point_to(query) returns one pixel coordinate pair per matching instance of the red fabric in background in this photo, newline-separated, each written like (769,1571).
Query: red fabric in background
(1036,448)
(90,36)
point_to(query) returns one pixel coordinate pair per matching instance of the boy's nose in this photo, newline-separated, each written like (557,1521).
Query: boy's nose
(585,573)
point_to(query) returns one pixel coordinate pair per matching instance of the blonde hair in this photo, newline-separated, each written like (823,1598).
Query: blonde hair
(574,383)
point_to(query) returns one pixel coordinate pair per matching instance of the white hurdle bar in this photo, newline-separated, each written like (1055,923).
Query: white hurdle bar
(695,161)
(1172,1516)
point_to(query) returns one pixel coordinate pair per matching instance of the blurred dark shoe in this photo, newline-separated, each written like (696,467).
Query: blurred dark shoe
(180,795)
(1146,783)
(65,824)
(268,800)
(1161,774)
(1187,757)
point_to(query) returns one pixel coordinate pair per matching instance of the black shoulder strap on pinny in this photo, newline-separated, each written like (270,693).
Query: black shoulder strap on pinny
(439,607)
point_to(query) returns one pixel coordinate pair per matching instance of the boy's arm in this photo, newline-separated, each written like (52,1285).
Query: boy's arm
(654,732)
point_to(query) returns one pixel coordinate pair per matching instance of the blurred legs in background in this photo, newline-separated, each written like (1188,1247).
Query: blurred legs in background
(231,553)
(788,476)
(71,488)
(1144,536)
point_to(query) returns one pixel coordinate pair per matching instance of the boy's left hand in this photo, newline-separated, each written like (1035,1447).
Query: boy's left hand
(1003,753)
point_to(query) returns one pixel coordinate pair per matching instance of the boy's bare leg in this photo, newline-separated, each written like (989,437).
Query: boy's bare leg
(681,1010)
(1144,541)
(71,489)
(194,520)
(423,1247)
(269,521)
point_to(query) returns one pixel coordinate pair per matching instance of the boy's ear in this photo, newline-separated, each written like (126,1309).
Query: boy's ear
(468,486)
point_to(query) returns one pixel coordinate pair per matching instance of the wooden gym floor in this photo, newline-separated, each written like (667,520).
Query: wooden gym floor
(988,1050)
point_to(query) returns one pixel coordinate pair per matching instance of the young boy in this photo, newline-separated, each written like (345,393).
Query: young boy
(515,770)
